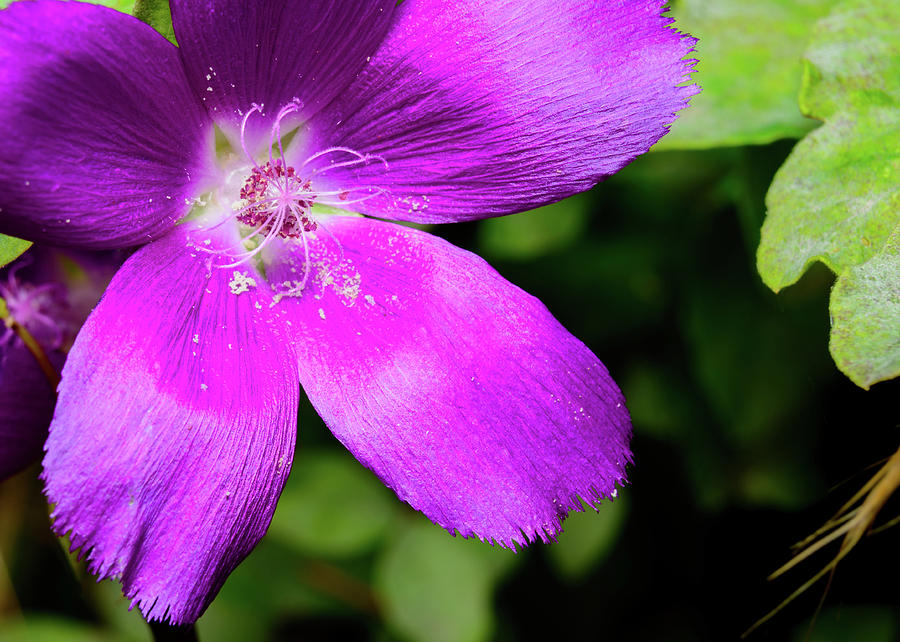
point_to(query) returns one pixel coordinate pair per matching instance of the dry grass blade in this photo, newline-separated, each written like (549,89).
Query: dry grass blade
(849,523)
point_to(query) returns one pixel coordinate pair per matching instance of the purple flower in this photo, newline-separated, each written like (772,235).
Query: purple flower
(235,160)
(26,394)
(50,303)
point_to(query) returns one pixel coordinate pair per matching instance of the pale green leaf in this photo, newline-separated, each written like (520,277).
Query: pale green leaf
(11,248)
(749,67)
(853,60)
(587,538)
(865,314)
(331,506)
(836,199)
(437,588)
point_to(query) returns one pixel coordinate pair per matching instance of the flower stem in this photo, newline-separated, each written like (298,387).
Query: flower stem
(31,344)
(164,632)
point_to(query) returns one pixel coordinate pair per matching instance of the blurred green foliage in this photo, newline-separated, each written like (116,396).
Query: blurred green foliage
(740,419)
(536,233)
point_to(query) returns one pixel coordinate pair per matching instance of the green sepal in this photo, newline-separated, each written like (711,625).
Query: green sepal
(157,14)
(12,248)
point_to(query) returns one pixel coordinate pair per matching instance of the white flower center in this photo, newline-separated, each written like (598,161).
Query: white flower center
(277,200)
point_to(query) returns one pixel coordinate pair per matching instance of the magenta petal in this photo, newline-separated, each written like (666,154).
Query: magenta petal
(101,138)
(26,406)
(459,390)
(174,430)
(487,107)
(270,52)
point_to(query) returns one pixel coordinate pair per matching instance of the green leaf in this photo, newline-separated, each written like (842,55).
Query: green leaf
(749,69)
(865,313)
(588,537)
(437,588)
(11,248)
(853,59)
(836,199)
(157,14)
(331,506)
